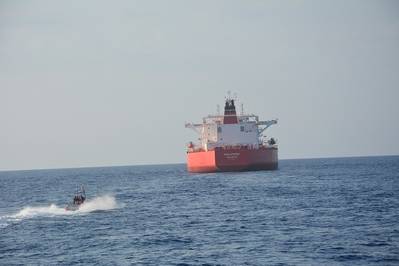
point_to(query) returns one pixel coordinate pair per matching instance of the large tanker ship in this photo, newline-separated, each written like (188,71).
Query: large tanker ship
(232,142)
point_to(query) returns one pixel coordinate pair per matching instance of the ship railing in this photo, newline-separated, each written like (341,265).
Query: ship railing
(219,118)
(234,147)
(195,149)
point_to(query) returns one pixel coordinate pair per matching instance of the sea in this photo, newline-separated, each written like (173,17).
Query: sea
(337,211)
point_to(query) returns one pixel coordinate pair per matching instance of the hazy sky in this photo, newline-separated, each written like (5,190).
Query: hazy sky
(93,83)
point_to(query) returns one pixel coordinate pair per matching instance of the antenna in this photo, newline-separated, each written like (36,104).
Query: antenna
(242,109)
(228,95)
(218,109)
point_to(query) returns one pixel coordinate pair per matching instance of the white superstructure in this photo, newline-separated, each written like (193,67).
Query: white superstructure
(231,130)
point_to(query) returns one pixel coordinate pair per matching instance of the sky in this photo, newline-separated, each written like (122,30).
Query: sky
(104,83)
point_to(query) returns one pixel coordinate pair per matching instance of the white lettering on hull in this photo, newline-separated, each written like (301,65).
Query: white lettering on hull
(231,155)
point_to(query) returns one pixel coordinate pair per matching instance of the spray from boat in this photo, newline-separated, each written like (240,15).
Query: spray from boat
(101,203)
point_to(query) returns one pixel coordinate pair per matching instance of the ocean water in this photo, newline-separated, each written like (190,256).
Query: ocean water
(309,212)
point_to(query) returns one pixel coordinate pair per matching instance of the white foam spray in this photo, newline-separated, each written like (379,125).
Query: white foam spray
(99,203)
(96,204)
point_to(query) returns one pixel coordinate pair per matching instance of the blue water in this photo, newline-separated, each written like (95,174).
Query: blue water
(309,212)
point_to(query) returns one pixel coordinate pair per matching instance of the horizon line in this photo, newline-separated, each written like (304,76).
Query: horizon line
(172,163)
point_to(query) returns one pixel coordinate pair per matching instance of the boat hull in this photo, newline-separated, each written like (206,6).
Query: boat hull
(72,207)
(232,159)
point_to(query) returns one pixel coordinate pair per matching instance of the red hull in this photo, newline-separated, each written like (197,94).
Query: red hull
(232,159)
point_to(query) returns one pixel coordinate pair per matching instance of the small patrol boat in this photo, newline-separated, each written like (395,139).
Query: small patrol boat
(78,200)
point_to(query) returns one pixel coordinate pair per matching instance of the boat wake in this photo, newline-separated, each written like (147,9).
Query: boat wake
(101,203)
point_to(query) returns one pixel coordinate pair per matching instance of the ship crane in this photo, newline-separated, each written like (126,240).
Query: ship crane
(265,125)
(196,127)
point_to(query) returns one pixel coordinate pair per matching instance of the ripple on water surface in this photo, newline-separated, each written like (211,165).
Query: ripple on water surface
(325,211)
